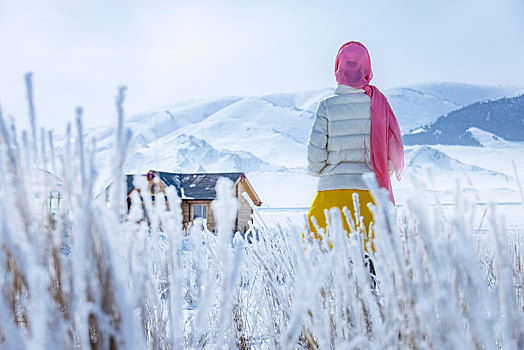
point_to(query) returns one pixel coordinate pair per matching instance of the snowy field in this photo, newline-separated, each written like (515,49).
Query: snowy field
(512,215)
(80,272)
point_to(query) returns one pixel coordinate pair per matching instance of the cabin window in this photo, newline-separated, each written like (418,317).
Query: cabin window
(199,211)
(54,201)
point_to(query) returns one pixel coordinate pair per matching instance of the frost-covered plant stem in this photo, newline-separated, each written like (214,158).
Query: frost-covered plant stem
(89,277)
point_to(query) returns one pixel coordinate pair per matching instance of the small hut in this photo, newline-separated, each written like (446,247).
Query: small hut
(197,191)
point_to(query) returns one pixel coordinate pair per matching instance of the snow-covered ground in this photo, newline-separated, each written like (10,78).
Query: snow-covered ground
(512,214)
(84,271)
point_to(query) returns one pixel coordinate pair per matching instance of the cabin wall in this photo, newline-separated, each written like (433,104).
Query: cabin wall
(244,210)
(210,216)
(187,210)
(185,213)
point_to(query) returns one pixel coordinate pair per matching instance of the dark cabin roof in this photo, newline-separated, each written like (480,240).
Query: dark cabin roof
(190,186)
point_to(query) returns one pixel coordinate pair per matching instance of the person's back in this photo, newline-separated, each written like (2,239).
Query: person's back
(339,143)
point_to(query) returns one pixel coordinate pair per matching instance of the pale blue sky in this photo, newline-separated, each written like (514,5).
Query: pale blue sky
(167,51)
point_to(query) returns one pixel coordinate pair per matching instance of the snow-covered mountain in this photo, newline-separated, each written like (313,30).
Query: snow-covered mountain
(413,107)
(465,94)
(487,139)
(288,114)
(187,153)
(442,174)
(423,103)
(264,136)
(425,158)
(504,118)
(151,125)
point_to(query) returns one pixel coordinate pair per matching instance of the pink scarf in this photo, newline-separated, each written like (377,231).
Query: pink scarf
(353,68)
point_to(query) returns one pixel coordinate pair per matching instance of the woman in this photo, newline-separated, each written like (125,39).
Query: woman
(355,132)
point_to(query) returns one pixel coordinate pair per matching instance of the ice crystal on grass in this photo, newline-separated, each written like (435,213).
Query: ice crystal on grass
(84,276)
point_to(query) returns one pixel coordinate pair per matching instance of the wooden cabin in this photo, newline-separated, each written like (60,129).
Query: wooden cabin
(197,191)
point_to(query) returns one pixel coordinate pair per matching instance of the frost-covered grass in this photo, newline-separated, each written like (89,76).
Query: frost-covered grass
(92,275)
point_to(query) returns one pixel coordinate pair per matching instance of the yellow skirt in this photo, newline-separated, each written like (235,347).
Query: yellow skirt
(340,199)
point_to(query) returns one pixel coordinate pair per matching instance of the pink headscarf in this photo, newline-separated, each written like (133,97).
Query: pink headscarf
(353,68)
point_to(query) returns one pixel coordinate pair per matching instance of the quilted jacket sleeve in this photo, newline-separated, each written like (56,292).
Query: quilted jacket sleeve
(317,143)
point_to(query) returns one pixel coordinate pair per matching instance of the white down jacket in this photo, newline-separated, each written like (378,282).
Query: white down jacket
(339,143)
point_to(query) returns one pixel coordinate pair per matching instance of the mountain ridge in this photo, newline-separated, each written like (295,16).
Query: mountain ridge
(503,118)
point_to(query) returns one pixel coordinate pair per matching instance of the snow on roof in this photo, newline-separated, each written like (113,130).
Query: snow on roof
(191,186)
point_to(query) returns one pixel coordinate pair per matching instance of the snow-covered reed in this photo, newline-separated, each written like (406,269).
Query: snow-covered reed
(77,271)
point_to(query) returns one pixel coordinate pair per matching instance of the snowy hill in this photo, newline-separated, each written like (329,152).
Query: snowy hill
(487,139)
(273,132)
(465,94)
(289,114)
(156,123)
(413,107)
(504,118)
(424,158)
(441,174)
(423,103)
(174,153)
